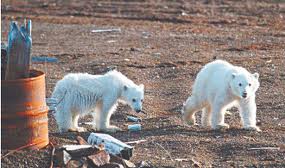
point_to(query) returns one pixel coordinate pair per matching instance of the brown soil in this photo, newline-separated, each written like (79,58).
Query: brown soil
(163,44)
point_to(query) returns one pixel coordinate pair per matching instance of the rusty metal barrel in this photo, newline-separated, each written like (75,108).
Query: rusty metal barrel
(24,120)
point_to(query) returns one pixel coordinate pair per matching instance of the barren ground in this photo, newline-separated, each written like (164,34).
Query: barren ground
(163,44)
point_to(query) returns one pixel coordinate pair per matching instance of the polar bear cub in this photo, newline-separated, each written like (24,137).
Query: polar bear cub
(82,93)
(219,86)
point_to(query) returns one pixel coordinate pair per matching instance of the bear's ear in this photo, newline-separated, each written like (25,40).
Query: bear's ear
(255,75)
(125,88)
(234,75)
(141,86)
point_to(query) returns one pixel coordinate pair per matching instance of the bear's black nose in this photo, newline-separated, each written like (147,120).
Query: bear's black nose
(138,110)
(244,94)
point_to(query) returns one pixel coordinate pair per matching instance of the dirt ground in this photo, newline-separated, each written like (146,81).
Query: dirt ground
(163,44)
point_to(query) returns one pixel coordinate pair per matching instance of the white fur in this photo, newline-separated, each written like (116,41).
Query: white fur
(82,93)
(217,88)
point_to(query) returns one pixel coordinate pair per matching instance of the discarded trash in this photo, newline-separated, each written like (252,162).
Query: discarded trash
(66,153)
(129,164)
(126,163)
(183,13)
(112,145)
(181,160)
(111,41)
(106,30)
(249,138)
(195,163)
(52,154)
(87,155)
(156,54)
(3,59)
(134,127)
(146,35)
(143,112)
(136,142)
(76,163)
(146,164)
(81,141)
(43,59)
(265,148)
(99,159)
(80,150)
(133,119)
(24,112)
(18,149)
(62,157)
(269,61)
(19,51)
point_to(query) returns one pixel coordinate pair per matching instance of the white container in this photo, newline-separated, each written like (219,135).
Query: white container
(111,144)
(135,127)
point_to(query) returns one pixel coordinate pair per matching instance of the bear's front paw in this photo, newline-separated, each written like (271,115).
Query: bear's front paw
(253,128)
(77,129)
(112,129)
(222,126)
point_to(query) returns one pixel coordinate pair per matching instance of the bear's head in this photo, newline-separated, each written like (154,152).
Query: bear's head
(133,96)
(244,84)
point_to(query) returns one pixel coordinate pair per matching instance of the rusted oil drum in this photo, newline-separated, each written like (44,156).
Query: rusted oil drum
(24,120)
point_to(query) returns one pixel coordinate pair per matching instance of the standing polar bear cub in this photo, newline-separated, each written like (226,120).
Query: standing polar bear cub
(82,93)
(218,86)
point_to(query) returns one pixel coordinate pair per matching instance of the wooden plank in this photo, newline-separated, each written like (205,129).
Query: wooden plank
(3,60)
(19,51)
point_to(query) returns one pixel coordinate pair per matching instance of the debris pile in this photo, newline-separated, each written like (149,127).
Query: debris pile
(101,150)
(111,144)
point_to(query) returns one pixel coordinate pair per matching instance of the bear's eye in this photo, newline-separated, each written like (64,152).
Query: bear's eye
(249,84)
(240,84)
(141,100)
(134,100)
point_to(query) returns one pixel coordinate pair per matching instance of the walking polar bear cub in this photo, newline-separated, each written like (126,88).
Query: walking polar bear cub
(82,93)
(218,86)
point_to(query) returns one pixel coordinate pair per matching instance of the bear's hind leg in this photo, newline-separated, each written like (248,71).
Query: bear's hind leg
(206,116)
(189,109)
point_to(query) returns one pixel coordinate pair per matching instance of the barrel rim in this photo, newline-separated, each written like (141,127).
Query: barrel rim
(38,75)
